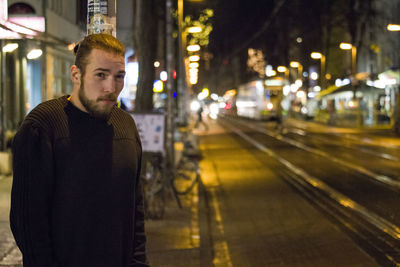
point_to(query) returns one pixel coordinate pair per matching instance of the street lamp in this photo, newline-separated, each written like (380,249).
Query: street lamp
(298,66)
(347,46)
(284,70)
(393,27)
(321,57)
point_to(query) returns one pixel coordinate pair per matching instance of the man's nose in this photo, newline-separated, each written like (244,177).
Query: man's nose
(109,85)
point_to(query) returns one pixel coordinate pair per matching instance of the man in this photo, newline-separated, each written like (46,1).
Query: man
(75,196)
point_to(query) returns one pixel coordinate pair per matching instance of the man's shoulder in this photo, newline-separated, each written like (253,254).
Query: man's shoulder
(123,123)
(48,112)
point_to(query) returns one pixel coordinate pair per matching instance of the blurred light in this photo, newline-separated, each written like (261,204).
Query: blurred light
(345,46)
(71,46)
(299,40)
(245,104)
(193,80)
(316,55)
(194,29)
(314,76)
(206,92)
(273,82)
(293,88)
(34,23)
(214,108)
(193,65)
(158,86)
(214,97)
(6,34)
(300,94)
(311,94)
(10,47)
(222,105)
(195,105)
(193,48)
(35,53)
(317,88)
(304,110)
(174,94)
(346,81)
(393,27)
(227,106)
(299,83)
(294,64)
(328,76)
(163,76)
(338,82)
(286,90)
(157,64)
(351,104)
(201,96)
(270,106)
(305,74)
(19,29)
(259,87)
(213,116)
(281,69)
(269,71)
(194,58)
(174,74)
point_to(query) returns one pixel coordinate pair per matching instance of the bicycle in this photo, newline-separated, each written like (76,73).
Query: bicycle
(153,186)
(187,171)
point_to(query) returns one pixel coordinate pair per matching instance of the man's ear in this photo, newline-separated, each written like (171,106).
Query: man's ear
(75,74)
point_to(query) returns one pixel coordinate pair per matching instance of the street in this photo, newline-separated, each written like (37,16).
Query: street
(312,196)
(308,195)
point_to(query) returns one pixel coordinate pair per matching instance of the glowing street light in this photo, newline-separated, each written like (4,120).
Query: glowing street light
(194,65)
(34,54)
(321,57)
(8,48)
(316,55)
(295,64)
(281,69)
(194,58)
(347,46)
(194,29)
(393,27)
(193,48)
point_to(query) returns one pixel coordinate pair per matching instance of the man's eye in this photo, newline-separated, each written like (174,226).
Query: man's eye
(120,76)
(101,75)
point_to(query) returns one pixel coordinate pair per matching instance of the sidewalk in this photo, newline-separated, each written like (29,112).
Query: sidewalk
(175,239)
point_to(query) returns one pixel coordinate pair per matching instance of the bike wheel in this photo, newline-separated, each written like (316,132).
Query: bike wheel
(154,202)
(186,177)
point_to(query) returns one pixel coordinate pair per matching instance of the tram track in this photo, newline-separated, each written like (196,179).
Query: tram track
(374,234)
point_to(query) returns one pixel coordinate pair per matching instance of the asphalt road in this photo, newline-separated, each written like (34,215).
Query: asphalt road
(300,197)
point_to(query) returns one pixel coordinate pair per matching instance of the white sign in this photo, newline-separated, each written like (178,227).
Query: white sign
(151,131)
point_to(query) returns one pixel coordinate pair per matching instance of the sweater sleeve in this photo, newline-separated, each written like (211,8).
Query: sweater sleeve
(139,253)
(31,195)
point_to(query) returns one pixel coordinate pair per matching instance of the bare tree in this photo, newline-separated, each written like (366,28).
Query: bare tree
(145,38)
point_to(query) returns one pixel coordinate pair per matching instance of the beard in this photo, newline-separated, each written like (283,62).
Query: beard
(93,107)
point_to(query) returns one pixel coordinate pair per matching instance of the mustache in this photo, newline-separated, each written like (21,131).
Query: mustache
(109,97)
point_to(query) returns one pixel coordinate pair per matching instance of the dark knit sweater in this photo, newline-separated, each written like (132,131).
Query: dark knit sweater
(75,198)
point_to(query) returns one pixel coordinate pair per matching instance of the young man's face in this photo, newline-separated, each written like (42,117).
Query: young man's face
(102,83)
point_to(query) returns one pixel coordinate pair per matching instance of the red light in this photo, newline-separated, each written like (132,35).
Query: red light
(174,74)
(227,106)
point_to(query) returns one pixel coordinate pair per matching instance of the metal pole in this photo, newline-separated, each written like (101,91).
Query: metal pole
(2,100)
(170,83)
(182,90)
(353,60)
